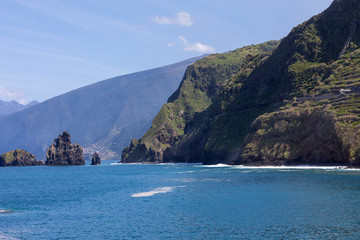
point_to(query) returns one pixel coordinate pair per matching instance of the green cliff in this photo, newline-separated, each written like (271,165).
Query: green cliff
(201,84)
(19,157)
(299,104)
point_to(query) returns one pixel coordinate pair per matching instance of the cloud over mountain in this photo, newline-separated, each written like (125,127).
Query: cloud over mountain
(196,47)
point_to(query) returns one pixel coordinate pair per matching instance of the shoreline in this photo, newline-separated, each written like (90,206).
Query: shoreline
(221,165)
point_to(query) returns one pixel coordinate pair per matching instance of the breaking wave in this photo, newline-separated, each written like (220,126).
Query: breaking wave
(155,191)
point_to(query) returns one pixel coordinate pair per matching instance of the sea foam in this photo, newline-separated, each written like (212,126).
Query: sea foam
(155,191)
(5,211)
(300,167)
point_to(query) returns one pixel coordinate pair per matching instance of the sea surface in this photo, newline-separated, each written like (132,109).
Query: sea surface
(178,202)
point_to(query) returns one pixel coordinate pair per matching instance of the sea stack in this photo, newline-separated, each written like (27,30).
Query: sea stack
(62,152)
(95,159)
(19,157)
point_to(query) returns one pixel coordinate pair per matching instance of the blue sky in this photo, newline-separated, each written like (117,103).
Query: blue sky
(51,47)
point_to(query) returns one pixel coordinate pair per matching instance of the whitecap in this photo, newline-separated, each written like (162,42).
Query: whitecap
(220,165)
(350,169)
(5,211)
(187,180)
(301,167)
(155,191)
(7,238)
(116,163)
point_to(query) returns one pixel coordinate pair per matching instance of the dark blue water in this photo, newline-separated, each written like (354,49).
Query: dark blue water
(178,202)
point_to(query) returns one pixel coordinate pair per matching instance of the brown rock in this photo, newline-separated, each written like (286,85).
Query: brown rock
(95,159)
(63,152)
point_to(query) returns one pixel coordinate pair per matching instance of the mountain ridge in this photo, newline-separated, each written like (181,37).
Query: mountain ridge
(256,118)
(7,108)
(100,116)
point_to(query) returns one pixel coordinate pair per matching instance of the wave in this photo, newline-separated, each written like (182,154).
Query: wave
(3,211)
(7,238)
(117,163)
(155,191)
(220,165)
(300,167)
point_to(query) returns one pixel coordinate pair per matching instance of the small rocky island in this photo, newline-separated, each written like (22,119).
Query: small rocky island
(19,157)
(62,152)
(95,159)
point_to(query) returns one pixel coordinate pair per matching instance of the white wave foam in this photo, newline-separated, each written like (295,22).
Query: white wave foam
(8,238)
(292,167)
(300,167)
(155,191)
(116,163)
(351,169)
(187,180)
(5,211)
(220,165)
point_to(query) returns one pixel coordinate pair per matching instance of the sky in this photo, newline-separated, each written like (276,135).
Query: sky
(50,47)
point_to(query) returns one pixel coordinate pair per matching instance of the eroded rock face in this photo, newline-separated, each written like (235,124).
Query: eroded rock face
(63,152)
(309,136)
(19,157)
(95,159)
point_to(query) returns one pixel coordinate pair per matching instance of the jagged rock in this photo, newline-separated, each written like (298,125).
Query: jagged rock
(19,157)
(63,152)
(95,159)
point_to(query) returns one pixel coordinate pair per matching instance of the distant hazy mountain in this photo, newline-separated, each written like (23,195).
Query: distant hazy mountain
(7,108)
(103,116)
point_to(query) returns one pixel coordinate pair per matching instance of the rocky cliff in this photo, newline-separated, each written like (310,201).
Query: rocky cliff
(200,86)
(63,152)
(298,104)
(19,157)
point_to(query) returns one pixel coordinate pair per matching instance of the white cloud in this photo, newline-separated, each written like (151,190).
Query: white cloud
(13,94)
(170,45)
(196,47)
(183,39)
(181,18)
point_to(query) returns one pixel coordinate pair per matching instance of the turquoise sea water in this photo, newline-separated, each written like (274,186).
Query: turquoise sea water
(178,202)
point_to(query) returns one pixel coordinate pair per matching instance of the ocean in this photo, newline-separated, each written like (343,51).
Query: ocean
(178,201)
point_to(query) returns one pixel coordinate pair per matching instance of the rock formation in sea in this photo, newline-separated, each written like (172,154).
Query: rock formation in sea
(19,157)
(63,152)
(95,159)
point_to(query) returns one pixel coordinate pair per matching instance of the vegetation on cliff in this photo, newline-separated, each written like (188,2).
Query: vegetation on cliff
(19,157)
(296,105)
(201,84)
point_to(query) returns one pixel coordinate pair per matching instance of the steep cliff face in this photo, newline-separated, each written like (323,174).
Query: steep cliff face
(63,152)
(313,63)
(19,157)
(308,135)
(296,105)
(200,86)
